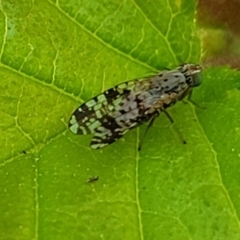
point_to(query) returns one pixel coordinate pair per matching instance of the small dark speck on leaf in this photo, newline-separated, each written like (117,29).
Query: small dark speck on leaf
(92,179)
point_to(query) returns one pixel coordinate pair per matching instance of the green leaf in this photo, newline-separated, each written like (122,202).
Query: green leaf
(54,56)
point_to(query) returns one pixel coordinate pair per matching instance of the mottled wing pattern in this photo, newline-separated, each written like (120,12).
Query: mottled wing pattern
(99,115)
(117,110)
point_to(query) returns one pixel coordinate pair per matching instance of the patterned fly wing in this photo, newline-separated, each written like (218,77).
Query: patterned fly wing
(117,110)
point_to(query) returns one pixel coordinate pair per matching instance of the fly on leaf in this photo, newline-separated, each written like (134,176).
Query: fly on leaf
(110,115)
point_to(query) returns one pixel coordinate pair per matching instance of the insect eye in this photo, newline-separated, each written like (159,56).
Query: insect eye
(197,78)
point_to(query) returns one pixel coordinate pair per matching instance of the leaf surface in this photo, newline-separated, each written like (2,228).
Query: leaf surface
(56,55)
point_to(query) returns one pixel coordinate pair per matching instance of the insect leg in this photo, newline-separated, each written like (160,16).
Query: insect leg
(168,116)
(172,121)
(194,103)
(146,130)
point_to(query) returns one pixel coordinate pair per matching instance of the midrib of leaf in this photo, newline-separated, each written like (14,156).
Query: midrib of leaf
(36,194)
(139,210)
